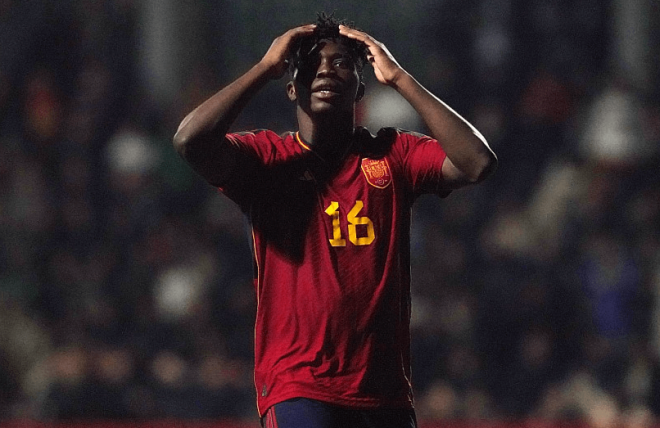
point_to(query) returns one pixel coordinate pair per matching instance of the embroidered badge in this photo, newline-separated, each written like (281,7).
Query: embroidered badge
(377,172)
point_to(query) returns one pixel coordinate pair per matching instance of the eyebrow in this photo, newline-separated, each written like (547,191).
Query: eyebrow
(315,51)
(313,54)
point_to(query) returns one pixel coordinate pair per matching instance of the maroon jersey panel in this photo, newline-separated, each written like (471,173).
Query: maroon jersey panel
(331,248)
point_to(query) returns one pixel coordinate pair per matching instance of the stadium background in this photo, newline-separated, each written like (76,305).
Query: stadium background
(125,281)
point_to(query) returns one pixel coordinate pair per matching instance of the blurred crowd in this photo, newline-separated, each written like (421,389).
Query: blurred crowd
(126,281)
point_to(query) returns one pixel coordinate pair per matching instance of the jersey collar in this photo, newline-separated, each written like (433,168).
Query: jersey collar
(301,142)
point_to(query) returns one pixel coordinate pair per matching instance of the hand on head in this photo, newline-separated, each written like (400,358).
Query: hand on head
(386,68)
(275,58)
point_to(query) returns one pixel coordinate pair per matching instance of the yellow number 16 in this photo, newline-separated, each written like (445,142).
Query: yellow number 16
(354,221)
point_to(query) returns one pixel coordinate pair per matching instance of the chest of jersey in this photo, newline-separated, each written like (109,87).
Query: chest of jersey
(348,209)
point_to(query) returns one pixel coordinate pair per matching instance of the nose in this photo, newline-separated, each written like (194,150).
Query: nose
(325,68)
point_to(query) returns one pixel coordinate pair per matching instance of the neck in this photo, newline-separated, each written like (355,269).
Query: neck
(327,138)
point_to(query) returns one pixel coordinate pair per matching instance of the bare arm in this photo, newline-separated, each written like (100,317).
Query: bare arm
(469,158)
(200,138)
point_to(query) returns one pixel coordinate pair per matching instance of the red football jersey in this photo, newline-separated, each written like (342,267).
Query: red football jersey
(332,262)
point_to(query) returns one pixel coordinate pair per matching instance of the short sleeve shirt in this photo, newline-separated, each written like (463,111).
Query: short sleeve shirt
(332,262)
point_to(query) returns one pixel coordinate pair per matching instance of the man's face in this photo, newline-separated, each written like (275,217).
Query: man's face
(328,80)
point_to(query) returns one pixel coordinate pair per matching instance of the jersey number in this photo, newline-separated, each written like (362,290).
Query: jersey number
(354,221)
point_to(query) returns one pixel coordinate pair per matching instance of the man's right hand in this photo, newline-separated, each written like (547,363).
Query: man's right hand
(275,58)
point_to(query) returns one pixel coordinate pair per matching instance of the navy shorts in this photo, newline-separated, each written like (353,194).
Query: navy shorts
(306,413)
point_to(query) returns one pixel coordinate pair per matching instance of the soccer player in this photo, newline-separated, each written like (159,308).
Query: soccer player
(330,210)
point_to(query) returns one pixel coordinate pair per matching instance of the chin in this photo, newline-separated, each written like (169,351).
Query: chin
(324,109)
(321,107)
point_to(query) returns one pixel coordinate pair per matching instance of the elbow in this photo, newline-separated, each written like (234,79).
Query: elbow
(485,167)
(182,136)
(487,161)
(479,168)
(205,157)
(180,141)
(184,143)
(483,164)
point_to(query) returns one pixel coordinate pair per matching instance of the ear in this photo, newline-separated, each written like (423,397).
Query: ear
(291,91)
(360,92)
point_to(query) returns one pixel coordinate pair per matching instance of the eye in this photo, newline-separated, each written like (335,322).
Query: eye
(343,62)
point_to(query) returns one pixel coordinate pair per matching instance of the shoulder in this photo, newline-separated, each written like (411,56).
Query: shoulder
(260,135)
(264,143)
(386,140)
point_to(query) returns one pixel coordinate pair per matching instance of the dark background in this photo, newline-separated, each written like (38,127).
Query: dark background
(125,280)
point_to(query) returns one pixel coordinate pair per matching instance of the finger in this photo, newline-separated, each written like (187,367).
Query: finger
(364,38)
(357,35)
(302,31)
(306,27)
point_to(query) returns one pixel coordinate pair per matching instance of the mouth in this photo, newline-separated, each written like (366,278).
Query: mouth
(325,94)
(326,90)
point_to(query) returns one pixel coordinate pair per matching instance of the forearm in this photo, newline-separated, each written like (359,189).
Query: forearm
(210,121)
(200,139)
(463,143)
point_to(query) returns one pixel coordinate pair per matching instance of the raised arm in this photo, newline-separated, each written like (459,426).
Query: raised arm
(469,158)
(200,138)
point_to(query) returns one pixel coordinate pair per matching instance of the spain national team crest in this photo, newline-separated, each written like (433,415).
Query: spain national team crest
(377,172)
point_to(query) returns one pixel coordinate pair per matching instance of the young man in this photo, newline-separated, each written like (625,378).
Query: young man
(330,211)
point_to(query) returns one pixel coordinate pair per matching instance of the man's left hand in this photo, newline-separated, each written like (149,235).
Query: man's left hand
(386,69)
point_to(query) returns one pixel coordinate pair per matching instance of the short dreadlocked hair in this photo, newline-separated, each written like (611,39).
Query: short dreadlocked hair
(327,28)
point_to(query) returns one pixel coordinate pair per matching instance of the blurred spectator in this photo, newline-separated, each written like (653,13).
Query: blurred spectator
(111,384)
(614,129)
(170,375)
(67,397)
(610,278)
(533,371)
(225,388)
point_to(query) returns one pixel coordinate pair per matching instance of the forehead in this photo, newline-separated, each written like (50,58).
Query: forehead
(333,46)
(326,47)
